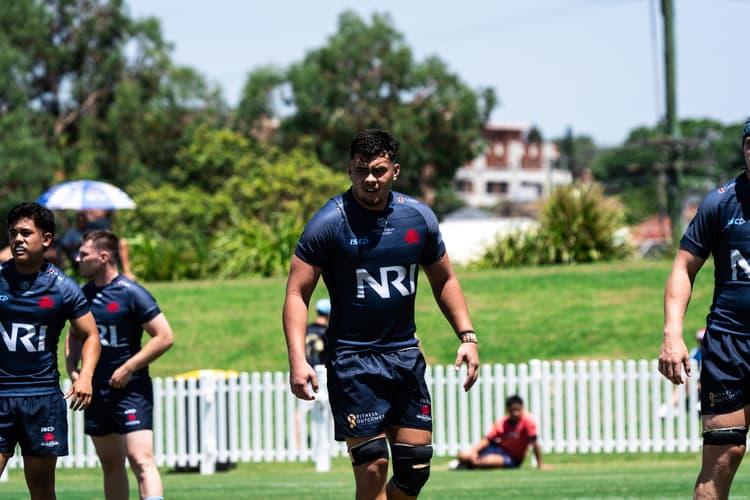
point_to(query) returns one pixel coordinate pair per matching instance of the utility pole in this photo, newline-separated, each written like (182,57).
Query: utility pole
(673,125)
(673,167)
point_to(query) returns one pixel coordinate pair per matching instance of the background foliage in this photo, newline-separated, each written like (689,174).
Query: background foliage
(89,91)
(578,224)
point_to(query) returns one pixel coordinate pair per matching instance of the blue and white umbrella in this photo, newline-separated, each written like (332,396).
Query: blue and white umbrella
(85,195)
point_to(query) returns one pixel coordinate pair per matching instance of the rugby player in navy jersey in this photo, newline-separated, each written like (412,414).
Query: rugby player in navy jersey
(36,299)
(368,244)
(721,228)
(119,420)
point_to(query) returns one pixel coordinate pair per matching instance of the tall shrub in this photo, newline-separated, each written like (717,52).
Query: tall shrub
(578,224)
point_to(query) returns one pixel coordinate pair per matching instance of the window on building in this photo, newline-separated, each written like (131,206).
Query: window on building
(532,187)
(497,187)
(464,186)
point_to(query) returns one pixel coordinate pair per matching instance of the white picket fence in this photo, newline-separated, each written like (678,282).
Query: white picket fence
(580,407)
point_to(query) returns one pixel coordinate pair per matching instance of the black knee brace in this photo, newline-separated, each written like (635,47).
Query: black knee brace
(411,467)
(369,451)
(728,435)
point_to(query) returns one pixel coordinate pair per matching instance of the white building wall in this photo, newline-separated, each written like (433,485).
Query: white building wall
(522,184)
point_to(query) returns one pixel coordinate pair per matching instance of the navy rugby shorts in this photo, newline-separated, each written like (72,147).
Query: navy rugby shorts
(725,373)
(494,449)
(39,424)
(371,391)
(120,411)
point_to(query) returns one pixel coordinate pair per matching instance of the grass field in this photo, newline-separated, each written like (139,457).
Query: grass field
(596,311)
(661,476)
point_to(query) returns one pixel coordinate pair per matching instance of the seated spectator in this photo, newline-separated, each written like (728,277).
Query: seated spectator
(506,444)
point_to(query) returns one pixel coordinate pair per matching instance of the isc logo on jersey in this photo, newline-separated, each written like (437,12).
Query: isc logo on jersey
(397,278)
(24,333)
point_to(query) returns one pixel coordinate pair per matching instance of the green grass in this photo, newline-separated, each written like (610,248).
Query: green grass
(596,311)
(661,476)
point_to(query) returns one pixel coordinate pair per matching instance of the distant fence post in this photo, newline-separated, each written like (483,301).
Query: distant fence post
(208,445)
(321,428)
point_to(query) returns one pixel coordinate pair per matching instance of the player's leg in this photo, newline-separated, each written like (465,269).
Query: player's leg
(40,476)
(411,453)
(409,426)
(43,436)
(7,434)
(140,451)
(369,457)
(4,461)
(465,456)
(110,449)
(358,390)
(724,438)
(725,412)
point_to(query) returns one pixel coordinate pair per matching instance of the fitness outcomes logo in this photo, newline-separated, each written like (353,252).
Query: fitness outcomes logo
(363,418)
(722,397)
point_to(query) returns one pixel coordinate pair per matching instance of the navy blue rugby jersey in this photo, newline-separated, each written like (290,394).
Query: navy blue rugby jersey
(370,262)
(33,312)
(722,228)
(120,308)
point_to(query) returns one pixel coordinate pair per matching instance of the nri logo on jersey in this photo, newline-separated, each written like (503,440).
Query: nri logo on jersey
(24,333)
(397,278)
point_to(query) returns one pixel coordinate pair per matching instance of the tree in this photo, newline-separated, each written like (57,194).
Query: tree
(115,105)
(642,170)
(366,77)
(234,207)
(577,153)
(27,165)
(256,110)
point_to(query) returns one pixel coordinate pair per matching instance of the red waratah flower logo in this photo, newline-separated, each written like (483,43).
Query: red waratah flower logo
(46,303)
(425,409)
(411,236)
(48,436)
(113,307)
(131,417)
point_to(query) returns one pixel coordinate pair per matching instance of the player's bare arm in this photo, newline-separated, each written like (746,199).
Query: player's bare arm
(450,298)
(674,355)
(72,354)
(81,391)
(161,340)
(299,288)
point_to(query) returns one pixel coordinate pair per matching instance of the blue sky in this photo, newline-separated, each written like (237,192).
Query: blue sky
(595,66)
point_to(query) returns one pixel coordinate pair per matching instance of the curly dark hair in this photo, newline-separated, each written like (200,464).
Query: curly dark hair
(43,217)
(372,143)
(515,399)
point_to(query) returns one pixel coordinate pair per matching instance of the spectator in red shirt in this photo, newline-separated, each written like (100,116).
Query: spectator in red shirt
(506,444)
